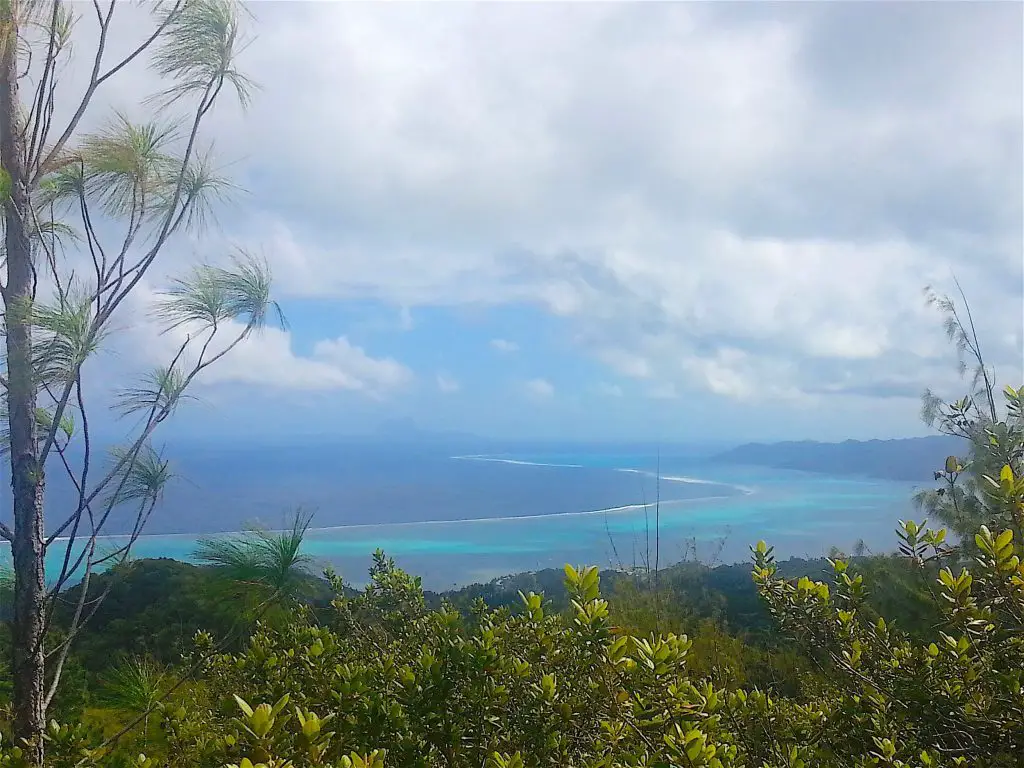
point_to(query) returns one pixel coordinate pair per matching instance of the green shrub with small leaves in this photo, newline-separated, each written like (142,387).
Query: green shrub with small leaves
(427,688)
(381,680)
(956,698)
(388,683)
(385,682)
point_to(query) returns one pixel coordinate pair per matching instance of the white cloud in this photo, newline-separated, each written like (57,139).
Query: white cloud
(268,360)
(369,373)
(722,375)
(736,374)
(503,345)
(446,384)
(540,388)
(264,359)
(727,198)
(677,181)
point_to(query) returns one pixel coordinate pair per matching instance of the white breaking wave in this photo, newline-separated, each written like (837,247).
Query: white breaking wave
(542,516)
(745,490)
(413,523)
(516,461)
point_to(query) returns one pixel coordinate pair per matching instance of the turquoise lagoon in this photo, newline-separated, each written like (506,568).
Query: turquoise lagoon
(708,511)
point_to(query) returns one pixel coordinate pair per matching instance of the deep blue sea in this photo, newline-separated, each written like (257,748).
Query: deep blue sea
(456,517)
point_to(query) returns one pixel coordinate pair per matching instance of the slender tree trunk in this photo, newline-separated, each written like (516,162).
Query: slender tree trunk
(26,473)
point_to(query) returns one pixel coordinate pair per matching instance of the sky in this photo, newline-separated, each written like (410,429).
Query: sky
(676,222)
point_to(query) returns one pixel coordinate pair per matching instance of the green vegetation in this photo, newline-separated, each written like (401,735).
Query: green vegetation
(963,501)
(249,661)
(914,659)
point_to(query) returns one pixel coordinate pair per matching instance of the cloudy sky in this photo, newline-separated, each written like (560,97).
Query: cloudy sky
(664,221)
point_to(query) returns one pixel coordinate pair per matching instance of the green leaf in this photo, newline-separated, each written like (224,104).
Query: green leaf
(1003,540)
(243,705)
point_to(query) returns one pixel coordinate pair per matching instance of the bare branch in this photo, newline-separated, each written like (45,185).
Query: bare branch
(80,482)
(170,219)
(976,350)
(96,80)
(122,461)
(66,646)
(143,482)
(35,118)
(72,334)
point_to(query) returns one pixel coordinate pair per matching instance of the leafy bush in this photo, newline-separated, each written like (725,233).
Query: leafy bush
(389,682)
(382,680)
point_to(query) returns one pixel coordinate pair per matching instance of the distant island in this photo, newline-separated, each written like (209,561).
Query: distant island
(909,459)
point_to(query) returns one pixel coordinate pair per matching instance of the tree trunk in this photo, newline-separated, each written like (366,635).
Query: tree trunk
(29,607)
(27,480)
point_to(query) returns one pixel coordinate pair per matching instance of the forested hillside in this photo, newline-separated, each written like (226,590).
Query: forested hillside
(911,459)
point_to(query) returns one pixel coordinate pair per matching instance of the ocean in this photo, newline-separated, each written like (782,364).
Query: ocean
(456,517)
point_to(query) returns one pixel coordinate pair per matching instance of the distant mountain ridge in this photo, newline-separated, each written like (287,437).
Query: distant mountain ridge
(908,459)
